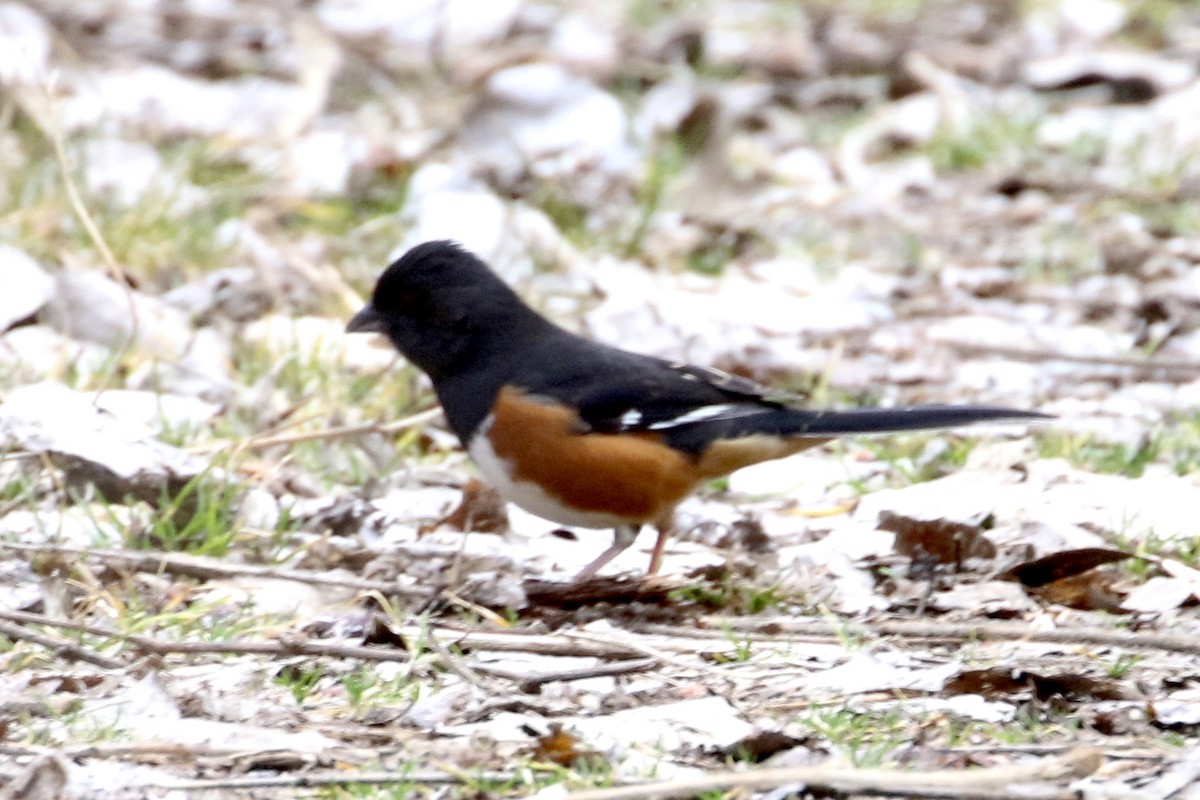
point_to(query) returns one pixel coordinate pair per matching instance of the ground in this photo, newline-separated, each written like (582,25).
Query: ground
(244,557)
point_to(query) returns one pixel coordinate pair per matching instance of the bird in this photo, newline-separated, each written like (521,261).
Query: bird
(585,434)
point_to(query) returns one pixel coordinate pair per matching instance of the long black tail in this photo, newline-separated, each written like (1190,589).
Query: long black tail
(805,422)
(802,423)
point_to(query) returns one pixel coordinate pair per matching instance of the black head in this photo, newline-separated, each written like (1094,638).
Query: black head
(440,305)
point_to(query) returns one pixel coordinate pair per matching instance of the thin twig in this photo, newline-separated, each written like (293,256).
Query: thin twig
(1185,369)
(213,569)
(28,618)
(453,662)
(494,641)
(781,628)
(1178,776)
(280,648)
(20,455)
(425,778)
(542,644)
(133,750)
(60,647)
(52,128)
(293,646)
(791,630)
(1115,748)
(263,442)
(994,783)
(54,133)
(532,683)
(641,649)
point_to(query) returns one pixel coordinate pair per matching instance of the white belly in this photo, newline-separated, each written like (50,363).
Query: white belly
(530,496)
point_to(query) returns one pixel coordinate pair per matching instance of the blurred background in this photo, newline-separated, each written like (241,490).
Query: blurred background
(861,202)
(889,200)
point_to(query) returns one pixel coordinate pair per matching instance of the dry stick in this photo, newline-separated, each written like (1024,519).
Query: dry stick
(641,649)
(20,455)
(291,646)
(1185,368)
(794,631)
(989,631)
(60,647)
(1179,776)
(54,133)
(532,683)
(542,644)
(52,129)
(427,778)
(210,569)
(262,442)
(1118,748)
(297,646)
(282,647)
(140,749)
(465,640)
(453,662)
(994,631)
(578,644)
(992,782)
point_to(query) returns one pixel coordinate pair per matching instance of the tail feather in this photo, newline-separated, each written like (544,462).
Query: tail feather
(799,425)
(803,422)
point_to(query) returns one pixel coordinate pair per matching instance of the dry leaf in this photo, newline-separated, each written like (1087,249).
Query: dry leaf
(761,745)
(1054,567)
(481,510)
(1001,682)
(562,747)
(945,540)
(1091,591)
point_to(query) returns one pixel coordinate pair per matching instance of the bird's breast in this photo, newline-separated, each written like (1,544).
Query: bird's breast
(531,450)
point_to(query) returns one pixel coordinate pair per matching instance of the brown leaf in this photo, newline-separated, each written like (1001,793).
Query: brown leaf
(1091,591)
(992,683)
(946,541)
(378,630)
(481,510)
(1117,722)
(1056,566)
(562,747)
(597,589)
(761,745)
(73,684)
(1001,682)
(746,534)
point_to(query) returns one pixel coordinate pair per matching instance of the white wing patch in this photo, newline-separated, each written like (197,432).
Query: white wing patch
(707,413)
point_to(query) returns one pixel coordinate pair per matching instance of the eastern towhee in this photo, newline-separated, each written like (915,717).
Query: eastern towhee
(585,434)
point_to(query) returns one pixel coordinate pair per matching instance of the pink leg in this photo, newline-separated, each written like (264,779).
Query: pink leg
(623,537)
(656,555)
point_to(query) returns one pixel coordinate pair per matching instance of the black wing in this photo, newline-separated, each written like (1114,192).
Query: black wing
(615,391)
(691,406)
(672,396)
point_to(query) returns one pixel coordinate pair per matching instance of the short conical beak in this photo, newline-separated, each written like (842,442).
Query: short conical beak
(366,321)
